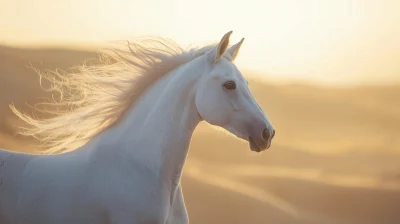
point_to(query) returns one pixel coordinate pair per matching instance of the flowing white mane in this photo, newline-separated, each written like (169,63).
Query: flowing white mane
(91,98)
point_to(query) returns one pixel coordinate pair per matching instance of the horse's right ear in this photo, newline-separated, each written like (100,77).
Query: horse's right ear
(220,49)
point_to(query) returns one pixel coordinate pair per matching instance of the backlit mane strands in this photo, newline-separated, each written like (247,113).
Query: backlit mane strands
(94,97)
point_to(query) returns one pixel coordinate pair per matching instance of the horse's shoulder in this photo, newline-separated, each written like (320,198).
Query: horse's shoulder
(12,157)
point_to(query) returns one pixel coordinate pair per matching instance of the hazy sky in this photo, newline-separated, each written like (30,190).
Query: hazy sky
(318,40)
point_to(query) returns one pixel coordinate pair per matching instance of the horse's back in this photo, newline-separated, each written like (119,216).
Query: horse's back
(12,166)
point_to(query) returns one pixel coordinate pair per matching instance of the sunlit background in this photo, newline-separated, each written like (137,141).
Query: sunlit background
(326,72)
(324,41)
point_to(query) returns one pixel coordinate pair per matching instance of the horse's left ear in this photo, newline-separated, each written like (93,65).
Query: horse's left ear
(219,50)
(234,50)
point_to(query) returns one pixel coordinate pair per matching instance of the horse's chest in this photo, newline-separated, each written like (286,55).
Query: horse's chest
(135,199)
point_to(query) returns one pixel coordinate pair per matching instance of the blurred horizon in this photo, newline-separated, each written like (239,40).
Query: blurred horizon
(316,42)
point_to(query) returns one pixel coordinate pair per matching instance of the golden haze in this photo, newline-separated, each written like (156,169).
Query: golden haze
(314,41)
(335,157)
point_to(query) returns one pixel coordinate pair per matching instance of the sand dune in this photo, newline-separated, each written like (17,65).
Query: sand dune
(335,158)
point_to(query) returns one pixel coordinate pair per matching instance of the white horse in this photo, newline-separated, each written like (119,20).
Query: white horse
(125,135)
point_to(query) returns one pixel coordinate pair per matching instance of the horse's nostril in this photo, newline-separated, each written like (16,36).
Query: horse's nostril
(265,134)
(273,134)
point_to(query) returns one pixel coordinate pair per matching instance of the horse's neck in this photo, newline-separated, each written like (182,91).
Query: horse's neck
(156,132)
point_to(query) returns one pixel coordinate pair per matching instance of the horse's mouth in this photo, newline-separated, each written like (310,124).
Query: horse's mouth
(255,147)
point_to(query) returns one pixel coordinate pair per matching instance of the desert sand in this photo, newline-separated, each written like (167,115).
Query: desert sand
(335,158)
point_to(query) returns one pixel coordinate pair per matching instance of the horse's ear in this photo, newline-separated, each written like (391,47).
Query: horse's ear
(234,50)
(221,48)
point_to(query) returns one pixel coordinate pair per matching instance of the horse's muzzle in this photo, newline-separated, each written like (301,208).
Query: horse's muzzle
(261,138)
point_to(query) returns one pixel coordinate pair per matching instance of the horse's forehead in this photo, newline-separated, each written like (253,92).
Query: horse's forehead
(225,67)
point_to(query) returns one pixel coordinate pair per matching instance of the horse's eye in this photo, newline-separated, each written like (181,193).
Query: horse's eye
(230,85)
